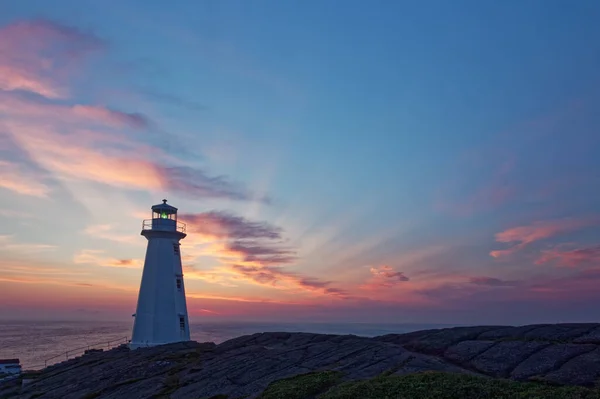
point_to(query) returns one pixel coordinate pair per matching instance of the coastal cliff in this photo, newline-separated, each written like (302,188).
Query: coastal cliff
(558,359)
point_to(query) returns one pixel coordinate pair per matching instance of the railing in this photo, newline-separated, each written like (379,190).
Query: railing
(163,225)
(78,351)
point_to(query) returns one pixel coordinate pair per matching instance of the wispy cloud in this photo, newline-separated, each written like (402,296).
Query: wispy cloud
(566,255)
(16,178)
(219,276)
(97,258)
(279,278)
(492,191)
(492,282)
(107,232)
(67,149)
(36,272)
(220,224)
(24,108)
(8,243)
(39,56)
(384,277)
(253,252)
(523,236)
(171,99)
(72,140)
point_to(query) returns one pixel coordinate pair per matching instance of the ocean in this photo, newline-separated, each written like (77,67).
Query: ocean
(45,342)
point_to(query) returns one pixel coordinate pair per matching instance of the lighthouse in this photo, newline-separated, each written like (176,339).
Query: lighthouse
(161,315)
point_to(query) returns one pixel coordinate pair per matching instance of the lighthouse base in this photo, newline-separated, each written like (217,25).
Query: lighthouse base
(136,345)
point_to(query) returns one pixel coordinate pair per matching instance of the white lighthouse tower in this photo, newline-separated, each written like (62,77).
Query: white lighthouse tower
(161,316)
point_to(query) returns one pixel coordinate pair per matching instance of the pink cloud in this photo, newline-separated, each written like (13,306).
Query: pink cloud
(277,277)
(71,141)
(20,109)
(491,282)
(39,56)
(74,153)
(523,236)
(570,257)
(18,179)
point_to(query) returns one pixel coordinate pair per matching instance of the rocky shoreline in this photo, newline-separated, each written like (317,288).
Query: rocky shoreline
(559,354)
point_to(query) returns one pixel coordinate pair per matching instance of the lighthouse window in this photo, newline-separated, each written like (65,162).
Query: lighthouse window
(182,323)
(179,284)
(176,249)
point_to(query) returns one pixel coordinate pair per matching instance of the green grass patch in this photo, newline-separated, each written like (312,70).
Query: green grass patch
(301,386)
(439,385)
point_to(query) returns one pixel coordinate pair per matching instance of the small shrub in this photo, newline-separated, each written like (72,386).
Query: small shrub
(301,386)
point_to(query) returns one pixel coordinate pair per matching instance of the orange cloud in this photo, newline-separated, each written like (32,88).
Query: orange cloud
(202,312)
(217,276)
(39,56)
(238,298)
(70,157)
(253,253)
(525,235)
(277,277)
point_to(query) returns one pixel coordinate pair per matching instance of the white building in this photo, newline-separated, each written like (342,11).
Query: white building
(161,316)
(10,366)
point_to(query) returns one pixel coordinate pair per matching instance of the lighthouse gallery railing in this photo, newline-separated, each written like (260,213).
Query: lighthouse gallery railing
(163,224)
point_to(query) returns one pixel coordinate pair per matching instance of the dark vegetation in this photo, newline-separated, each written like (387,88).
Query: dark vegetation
(424,385)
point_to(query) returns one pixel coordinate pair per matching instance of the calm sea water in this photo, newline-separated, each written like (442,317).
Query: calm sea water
(34,342)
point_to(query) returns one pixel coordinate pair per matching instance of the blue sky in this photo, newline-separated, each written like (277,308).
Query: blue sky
(395,143)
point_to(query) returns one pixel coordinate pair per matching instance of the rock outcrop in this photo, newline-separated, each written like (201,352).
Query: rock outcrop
(566,354)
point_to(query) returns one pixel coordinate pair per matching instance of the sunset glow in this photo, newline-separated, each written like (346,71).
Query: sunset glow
(444,171)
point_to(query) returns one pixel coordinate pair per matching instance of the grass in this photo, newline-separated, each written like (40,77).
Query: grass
(439,385)
(426,385)
(301,386)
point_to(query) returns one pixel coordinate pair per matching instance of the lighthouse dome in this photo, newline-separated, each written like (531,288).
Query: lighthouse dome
(164,209)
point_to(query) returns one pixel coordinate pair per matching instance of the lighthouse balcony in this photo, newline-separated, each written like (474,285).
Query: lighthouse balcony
(160,224)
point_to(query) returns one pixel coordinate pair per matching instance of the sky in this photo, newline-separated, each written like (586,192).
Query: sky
(406,162)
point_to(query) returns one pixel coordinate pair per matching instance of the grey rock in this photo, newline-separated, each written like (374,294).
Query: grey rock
(503,357)
(509,332)
(245,366)
(437,343)
(466,350)
(562,332)
(592,337)
(548,359)
(580,370)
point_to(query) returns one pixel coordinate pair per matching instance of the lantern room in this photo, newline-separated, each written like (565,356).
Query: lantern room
(164,211)
(164,217)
